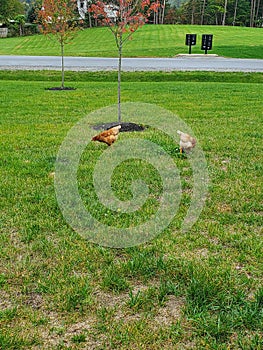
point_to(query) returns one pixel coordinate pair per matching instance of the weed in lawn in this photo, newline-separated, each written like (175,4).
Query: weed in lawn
(166,288)
(113,281)
(10,342)
(144,264)
(134,301)
(79,338)
(8,314)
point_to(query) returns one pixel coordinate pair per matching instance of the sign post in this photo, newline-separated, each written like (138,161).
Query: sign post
(207,40)
(190,40)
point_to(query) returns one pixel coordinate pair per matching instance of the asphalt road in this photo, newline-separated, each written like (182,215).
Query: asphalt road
(179,63)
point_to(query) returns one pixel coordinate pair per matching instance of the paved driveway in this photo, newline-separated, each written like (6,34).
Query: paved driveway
(179,63)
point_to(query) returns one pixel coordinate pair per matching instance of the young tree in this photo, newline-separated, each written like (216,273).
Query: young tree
(123,19)
(58,18)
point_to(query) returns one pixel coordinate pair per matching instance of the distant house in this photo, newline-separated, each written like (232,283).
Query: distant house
(111,11)
(83,5)
(3,32)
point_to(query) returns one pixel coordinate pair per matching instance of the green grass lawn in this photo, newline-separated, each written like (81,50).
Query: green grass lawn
(148,41)
(196,290)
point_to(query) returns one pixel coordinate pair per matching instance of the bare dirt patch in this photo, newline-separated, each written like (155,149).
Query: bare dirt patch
(5,301)
(171,312)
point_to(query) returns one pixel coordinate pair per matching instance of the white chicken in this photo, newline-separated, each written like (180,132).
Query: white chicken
(187,142)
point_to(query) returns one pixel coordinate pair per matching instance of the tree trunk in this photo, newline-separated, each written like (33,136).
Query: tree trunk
(252,13)
(154,18)
(193,13)
(203,13)
(119,79)
(257,10)
(163,13)
(62,65)
(224,14)
(235,13)
(160,15)
(90,21)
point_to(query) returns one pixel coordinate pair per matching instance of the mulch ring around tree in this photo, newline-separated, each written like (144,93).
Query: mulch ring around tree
(59,88)
(125,127)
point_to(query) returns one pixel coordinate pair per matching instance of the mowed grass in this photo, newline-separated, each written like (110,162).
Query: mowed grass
(196,290)
(148,41)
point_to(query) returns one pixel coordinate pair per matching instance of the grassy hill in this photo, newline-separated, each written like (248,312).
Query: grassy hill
(149,41)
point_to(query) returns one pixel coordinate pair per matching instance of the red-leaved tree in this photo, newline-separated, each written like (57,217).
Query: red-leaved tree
(123,18)
(58,19)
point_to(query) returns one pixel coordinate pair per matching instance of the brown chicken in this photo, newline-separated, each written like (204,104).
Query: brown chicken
(108,136)
(187,142)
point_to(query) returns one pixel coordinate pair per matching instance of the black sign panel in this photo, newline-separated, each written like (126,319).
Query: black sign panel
(190,39)
(207,40)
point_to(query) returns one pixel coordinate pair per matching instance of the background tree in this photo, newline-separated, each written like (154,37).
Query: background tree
(9,9)
(224,14)
(58,19)
(241,10)
(203,12)
(20,20)
(123,19)
(235,13)
(160,11)
(32,11)
(256,13)
(172,16)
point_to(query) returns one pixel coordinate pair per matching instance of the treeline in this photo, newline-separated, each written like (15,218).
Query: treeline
(21,16)
(248,13)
